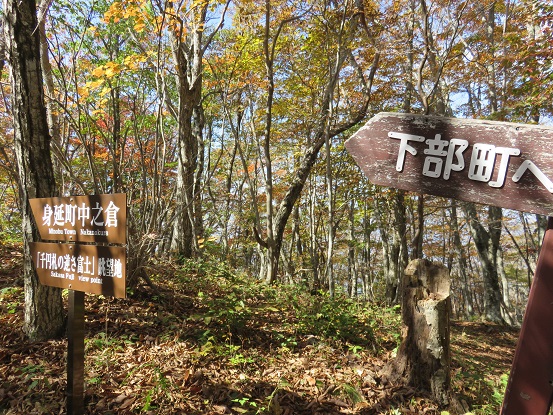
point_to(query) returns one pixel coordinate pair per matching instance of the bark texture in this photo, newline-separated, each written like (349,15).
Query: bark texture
(487,242)
(423,359)
(43,305)
(188,51)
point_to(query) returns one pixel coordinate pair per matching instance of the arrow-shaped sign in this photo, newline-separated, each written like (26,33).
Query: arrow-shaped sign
(496,163)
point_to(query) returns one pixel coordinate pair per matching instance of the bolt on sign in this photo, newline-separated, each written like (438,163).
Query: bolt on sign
(95,218)
(495,163)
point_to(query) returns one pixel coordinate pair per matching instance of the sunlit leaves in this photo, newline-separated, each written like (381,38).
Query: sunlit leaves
(128,10)
(115,82)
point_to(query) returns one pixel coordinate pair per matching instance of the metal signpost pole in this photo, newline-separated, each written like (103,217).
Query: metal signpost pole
(75,354)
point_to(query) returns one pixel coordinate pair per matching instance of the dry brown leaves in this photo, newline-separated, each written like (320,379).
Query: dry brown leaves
(155,354)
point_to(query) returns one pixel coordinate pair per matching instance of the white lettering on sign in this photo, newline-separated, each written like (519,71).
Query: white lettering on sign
(88,232)
(443,157)
(528,165)
(62,214)
(83,213)
(404,146)
(111,215)
(85,266)
(110,267)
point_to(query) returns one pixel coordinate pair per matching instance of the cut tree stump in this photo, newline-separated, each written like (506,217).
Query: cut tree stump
(423,359)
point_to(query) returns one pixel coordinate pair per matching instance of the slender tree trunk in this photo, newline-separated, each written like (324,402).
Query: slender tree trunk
(366,256)
(408,69)
(461,260)
(197,205)
(48,77)
(352,263)
(541,226)
(273,251)
(331,225)
(492,85)
(416,244)
(43,305)
(487,246)
(313,246)
(400,250)
(506,299)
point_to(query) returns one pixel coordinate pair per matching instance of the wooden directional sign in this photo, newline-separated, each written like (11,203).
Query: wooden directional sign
(95,218)
(502,164)
(88,268)
(496,163)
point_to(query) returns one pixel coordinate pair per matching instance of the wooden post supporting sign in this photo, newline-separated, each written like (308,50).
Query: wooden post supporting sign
(502,164)
(75,353)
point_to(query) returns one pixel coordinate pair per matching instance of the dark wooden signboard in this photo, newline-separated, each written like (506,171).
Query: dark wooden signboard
(496,163)
(95,218)
(88,268)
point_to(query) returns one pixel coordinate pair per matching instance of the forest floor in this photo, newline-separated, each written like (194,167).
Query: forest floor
(211,342)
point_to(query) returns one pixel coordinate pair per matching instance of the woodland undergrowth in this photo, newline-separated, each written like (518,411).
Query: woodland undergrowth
(209,341)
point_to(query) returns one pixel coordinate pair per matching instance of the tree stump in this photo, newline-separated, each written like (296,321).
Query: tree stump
(423,358)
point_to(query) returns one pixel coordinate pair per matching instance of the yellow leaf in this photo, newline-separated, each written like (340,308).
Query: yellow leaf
(105,91)
(110,72)
(113,12)
(99,71)
(139,27)
(112,69)
(83,91)
(95,84)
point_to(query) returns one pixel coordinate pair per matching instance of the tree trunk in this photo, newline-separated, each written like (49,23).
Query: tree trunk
(188,50)
(462,261)
(352,263)
(329,269)
(43,305)
(492,86)
(313,243)
(183,235)
(423,359)
(395,251)
(487,246)
(276,223)
(416,243)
